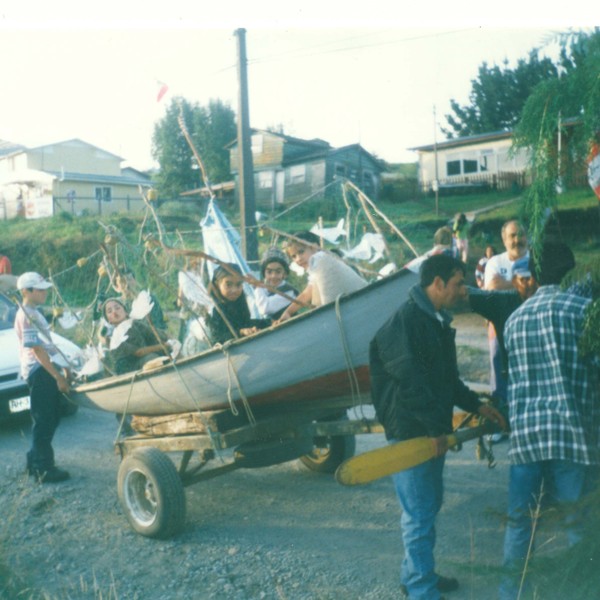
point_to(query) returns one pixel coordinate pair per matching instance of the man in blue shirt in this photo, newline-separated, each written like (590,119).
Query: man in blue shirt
(554,407)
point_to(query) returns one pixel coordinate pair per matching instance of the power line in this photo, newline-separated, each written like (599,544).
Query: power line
(274,57)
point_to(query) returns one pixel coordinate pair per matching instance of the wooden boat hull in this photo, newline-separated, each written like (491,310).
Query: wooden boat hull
(321,355)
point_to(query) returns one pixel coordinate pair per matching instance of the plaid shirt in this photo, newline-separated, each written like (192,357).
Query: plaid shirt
(553,392)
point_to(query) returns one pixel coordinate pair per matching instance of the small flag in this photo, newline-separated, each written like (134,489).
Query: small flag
(164,88)
(594,169)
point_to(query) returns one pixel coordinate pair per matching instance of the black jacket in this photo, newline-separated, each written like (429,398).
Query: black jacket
(496,306)
(414,373)
(237,314)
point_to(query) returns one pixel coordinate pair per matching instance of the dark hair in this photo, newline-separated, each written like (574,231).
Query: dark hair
(112,299)
(274,255)
(555,260)
(440,265)
(224,270)
(307,236)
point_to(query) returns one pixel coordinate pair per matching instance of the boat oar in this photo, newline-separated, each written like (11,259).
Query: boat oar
(397,457)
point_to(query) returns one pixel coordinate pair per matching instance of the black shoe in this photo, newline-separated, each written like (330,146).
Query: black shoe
(444,584)
(447,584)
(52,475)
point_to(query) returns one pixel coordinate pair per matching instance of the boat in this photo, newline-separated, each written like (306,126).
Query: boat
(316,357)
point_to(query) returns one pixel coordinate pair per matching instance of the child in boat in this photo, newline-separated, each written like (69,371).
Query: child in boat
(127,285)
(274,269)
(138,342)
(328,276)
(231,309)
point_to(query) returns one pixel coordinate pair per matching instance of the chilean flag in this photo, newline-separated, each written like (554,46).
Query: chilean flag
(594,168)
(163,89)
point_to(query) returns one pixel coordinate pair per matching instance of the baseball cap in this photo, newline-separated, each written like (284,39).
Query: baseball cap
(32,280)
(521,267)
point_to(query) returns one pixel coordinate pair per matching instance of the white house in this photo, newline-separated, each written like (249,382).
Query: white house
(71,175)
(477,160)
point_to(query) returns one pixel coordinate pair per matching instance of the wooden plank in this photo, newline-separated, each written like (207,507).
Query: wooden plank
(165,444)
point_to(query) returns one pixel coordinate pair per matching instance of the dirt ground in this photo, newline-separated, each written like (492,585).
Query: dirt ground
(281,532)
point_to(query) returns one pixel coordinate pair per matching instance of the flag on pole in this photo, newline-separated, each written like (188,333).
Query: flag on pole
(163,89)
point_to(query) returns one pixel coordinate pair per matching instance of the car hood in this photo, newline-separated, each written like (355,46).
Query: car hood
(9,351)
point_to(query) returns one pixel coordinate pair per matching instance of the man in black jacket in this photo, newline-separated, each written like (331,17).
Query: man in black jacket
(415,386)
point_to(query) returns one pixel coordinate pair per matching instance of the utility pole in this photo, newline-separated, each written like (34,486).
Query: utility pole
(436,183)
(245,166)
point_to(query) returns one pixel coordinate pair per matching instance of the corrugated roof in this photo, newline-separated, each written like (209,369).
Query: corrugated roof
(465,141)
(95,178)
(7,147)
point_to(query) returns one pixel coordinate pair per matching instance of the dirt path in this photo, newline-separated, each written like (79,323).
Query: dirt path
(280,532)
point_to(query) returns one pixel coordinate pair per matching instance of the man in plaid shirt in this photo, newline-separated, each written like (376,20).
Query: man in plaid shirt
(554,407)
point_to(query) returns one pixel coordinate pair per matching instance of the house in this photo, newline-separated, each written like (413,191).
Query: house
(72,176)
(484,160)
(288,169)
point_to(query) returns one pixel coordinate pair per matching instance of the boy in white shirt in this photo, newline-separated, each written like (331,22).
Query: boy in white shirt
(41,367)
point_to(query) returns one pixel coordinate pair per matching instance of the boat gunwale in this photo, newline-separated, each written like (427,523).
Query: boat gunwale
(137,376)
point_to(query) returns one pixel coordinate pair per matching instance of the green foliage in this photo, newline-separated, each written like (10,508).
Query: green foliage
(211,129)
(574,98)
(497,96)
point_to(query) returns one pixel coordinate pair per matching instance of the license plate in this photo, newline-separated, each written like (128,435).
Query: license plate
(19,404)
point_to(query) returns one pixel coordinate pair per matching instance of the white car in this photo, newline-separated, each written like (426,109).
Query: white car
(14,394)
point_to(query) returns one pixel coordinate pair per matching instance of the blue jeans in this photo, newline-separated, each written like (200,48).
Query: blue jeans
(45,415)
(420,491)
(564,481)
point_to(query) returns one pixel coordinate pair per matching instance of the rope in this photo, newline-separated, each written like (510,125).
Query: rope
(245,403)
(354,385)
(287,210)
(126,411)
(200,412)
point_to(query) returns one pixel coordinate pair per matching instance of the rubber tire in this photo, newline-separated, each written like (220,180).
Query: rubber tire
(329,453)
(151,493)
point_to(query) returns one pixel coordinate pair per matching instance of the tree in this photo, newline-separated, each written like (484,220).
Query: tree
(497,96)
(574,98)
(211,129)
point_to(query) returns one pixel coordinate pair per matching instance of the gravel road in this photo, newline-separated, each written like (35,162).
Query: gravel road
(280,532)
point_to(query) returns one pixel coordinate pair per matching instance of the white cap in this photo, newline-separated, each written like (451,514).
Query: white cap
(32,280)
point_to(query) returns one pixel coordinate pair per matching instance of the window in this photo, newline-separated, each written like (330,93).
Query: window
(485,159)
(367,183)
(469,162)
(265,180)
(103,194)
(469,166)
(453,167)
(298,174)
(340,171)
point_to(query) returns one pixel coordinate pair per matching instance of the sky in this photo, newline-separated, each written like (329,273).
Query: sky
(371,74)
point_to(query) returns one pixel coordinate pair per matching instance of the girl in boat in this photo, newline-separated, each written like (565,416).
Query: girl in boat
(274,269)
(231,309)
(132,343)
(328,276)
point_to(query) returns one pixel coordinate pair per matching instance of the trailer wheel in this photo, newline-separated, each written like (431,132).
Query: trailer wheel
(330,451)
(151,493)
